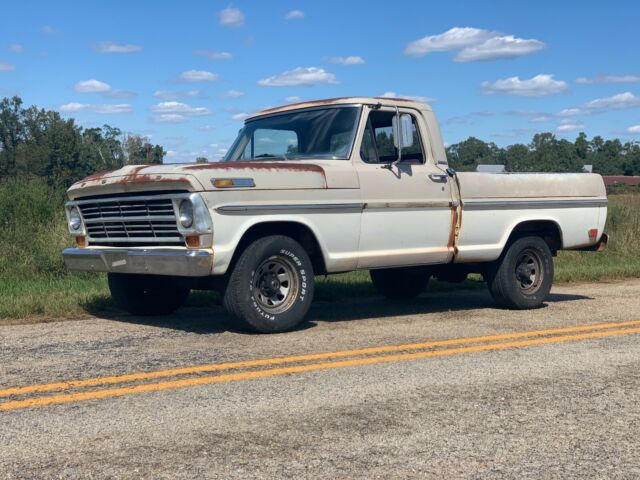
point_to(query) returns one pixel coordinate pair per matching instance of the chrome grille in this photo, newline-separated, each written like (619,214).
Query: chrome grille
(130,221)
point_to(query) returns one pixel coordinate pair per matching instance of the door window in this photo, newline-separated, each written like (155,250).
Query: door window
(378,145)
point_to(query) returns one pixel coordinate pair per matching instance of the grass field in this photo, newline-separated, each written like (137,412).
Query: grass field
(35,286)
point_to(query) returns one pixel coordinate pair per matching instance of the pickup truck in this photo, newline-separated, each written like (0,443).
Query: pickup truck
(324,187)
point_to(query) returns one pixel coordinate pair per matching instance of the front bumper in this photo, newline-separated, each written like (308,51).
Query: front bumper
(182,263)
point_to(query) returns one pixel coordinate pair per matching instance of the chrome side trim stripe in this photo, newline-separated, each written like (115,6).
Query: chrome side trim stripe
(408,205)
(533,204)
(311,207)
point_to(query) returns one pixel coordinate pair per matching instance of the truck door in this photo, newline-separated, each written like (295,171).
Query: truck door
(407,216)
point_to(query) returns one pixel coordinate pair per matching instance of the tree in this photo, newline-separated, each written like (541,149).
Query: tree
(40,143)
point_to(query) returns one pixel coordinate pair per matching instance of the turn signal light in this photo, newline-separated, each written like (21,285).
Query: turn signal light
(593,234)
(192,241)
(81,241)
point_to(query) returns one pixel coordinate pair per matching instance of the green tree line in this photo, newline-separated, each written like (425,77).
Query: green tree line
(546,153)
(40,143)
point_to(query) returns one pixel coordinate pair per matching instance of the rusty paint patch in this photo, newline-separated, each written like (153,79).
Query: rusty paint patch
(330,101)
(275,166)
(311,103)
(451,243)
(136,179)
(97,175)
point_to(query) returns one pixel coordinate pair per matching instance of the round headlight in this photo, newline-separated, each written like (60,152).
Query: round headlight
(75,220)
(186,213)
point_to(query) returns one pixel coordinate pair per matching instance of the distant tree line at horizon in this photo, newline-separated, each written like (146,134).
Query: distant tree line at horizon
(546,153)
(40,143)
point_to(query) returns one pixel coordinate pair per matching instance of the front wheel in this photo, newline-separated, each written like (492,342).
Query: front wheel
(271,286)
(522,277)
(145,294)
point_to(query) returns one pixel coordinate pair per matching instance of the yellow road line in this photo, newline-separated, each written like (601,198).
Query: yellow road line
(190,382)
(131,377)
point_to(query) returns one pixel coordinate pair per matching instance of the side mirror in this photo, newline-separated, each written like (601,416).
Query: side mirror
(407,130)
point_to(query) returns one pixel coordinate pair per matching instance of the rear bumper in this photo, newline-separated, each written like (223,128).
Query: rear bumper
(182,263)
(598,247)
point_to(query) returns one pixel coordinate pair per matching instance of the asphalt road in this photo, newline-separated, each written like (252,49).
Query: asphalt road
(445,386)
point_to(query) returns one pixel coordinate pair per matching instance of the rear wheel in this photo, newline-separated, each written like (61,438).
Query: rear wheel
(400,283)
(522,277)
(146,294)
(271,286)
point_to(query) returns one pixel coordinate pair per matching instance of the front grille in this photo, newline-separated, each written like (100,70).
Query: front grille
(131,221)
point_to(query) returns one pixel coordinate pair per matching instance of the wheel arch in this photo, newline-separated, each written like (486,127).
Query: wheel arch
(547,228)
(299,231)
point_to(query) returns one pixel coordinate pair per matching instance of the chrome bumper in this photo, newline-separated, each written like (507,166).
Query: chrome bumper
(182,263)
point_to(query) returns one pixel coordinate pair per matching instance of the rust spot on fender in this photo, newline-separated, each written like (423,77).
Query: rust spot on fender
(97,175)
(274,166)
(136,179)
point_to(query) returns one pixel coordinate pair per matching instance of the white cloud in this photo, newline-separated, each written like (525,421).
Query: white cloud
(609,79)
(239,116)
(5,67)
(233,94)
(119,94)
(292,99)
(231,17)
(300,77)
(634,129)
(569,126)
(91,86)
(111,47)
(170,95)
(75,107)
(475,44)
(572,112)
(169,118)
(213,54)
(350,60)
(294,15)
(198,76)
(417,98)
(533,116)
(179,108)
(617,102)
(16,48)
(453,39)
(48,30)
(499,47)
(538,86)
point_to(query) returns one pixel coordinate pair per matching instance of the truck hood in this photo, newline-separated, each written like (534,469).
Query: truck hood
(283,175)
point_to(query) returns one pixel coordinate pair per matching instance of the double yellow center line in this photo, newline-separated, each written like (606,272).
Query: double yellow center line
(151,381)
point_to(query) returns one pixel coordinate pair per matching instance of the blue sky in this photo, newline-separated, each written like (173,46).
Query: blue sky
(186,73)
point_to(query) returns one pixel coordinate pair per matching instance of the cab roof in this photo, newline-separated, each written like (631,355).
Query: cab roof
(400,102)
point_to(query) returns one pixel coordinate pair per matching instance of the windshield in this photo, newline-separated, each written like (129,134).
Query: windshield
(325,133)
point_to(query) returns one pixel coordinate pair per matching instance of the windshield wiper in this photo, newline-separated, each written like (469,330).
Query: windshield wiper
(267,156)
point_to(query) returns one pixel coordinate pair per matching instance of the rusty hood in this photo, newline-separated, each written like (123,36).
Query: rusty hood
(266,175)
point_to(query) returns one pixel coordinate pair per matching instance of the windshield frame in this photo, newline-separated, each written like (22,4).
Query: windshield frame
(356,128)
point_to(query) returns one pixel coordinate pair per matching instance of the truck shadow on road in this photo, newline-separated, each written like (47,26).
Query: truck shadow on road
(213,319)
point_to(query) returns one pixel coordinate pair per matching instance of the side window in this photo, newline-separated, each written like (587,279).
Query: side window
(380,133)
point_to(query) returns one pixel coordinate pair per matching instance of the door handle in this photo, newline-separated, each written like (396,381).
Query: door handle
(437,177)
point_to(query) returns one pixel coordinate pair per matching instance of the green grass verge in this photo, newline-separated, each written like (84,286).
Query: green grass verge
(35,286)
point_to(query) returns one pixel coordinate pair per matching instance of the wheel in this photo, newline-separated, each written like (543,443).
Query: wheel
(400,283)
(145,294)
(522,277)
(271,286)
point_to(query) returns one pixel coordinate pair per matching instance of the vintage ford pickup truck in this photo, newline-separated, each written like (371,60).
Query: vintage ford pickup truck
(325,187)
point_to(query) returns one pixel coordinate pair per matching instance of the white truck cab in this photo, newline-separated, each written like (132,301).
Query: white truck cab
(324,187)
